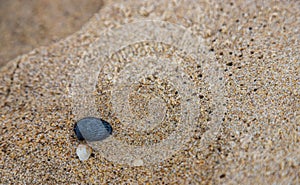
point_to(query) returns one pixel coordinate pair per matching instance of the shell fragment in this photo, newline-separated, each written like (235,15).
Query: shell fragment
(83,152)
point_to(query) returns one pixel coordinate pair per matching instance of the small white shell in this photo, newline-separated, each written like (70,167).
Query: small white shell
(138,162)
(83,152)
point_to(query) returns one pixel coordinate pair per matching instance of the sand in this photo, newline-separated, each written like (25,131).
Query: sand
(33,23)
(197,93)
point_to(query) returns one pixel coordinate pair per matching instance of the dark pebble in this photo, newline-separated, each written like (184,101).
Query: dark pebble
(92,129)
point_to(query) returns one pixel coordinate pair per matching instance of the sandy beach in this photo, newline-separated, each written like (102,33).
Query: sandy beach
(201,92)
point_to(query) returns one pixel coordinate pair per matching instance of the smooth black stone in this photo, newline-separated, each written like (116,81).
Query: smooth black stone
(92,129)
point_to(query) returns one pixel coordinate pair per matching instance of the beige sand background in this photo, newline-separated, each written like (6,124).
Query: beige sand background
(256,46)
(28,24)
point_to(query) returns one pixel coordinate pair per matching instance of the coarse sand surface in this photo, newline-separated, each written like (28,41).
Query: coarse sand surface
(197,92)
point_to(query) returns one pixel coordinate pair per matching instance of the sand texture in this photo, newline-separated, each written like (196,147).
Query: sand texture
(197,92)
(36,23)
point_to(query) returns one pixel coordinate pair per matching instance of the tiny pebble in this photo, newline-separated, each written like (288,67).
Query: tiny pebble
(83,152)
(138,162)
(92,129)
